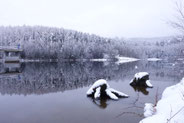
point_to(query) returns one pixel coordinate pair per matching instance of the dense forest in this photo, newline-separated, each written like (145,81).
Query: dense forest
(43,43)
(57,43)
(164,47)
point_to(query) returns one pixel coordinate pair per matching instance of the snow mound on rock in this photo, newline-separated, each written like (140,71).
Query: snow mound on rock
(97,84)
(141,79)
(101,88)
(141,75)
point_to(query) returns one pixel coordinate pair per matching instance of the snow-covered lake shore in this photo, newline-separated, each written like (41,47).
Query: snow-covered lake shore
(154,59)
(170,109)
(122,59)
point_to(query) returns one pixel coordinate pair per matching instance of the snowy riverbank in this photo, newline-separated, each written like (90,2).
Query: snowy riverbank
(154,59)
(119,59)
(122,60)
(170,109)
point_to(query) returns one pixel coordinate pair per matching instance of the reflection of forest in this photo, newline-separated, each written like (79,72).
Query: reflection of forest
(40,78)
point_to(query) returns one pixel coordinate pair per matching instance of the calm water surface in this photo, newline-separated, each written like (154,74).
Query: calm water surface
(56,93)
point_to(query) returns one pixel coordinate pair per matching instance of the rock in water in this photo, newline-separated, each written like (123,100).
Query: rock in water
(141,79)
(101,89)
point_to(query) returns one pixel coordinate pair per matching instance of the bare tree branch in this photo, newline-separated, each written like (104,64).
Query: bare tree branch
(178,23)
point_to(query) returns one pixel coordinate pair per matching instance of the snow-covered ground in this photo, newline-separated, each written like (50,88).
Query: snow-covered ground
(154,59)
(38,60)
(149,109)
(122,60)
(99,60)
(170,109)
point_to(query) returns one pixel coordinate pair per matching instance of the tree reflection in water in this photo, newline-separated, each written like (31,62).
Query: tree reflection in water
(140,89)
(41,78)
(101,103)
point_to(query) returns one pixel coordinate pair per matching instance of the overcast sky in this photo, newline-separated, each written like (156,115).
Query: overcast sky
(109,18)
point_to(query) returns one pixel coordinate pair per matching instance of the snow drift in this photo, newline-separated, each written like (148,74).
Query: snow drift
(170,109)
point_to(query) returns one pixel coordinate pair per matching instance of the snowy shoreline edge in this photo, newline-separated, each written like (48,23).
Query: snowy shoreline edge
(170,108)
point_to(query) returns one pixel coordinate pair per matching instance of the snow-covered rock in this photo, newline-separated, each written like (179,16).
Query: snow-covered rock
(141,79)
(170,109)
(101,89)
(141,75)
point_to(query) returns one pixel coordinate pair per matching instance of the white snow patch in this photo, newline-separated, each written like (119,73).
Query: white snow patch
(122,60)
(118,92)
(111,95)
(131,81)
(170,109)
(98,60)
(97,93)
(149,109)
(154,59)
(148,83)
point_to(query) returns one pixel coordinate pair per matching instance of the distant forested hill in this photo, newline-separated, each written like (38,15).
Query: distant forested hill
(45,42)
(57,43)
(163,47)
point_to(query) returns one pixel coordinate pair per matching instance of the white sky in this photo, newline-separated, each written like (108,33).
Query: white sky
(109,18)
